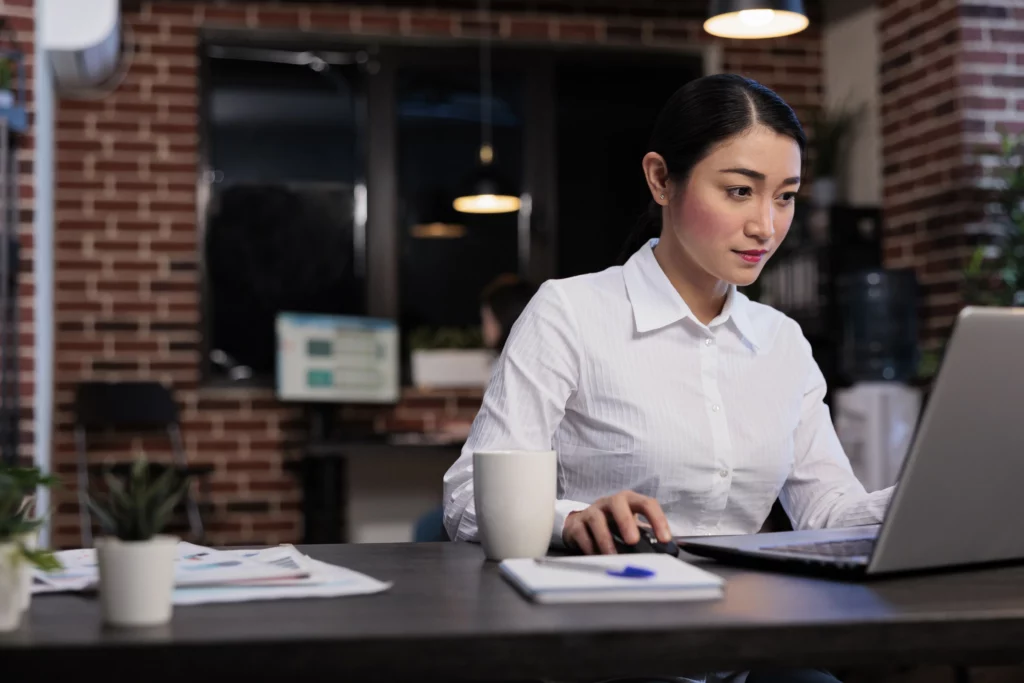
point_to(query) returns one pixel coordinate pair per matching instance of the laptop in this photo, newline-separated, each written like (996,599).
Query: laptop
(959,500)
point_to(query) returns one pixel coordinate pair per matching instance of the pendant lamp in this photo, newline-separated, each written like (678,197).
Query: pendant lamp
(755,18)
(486,191)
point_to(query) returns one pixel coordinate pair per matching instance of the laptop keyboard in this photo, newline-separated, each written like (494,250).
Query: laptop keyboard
(856,547)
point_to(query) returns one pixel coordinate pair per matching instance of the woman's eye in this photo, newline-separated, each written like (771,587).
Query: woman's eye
(787,197)
(740,192)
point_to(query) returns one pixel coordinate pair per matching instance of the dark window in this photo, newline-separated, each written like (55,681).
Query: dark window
(442,271)
(287,183)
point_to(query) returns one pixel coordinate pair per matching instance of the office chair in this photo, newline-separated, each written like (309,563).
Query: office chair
(137,406)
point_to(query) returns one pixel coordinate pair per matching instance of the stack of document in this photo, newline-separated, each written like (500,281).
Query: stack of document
(206,575)
(611,578)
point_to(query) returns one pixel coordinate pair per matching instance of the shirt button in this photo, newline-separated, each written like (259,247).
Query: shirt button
(708,341)
(715,408)
(723,473)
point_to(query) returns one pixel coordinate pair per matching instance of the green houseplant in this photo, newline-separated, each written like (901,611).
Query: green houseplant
(830,135)
(446,357)
(994,274)
(18,551)
(136,561)
(8,75)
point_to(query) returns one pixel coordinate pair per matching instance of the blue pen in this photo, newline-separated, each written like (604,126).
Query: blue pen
(626,572)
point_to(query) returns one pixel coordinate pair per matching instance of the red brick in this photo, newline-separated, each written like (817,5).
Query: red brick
(117,286)
(136,226)
(109,166)
(277,17)
(985,103)
(577,31)
(1005,36)
(128,345)
(378,22)
(1008,81)
(272,485)
(248,466)
(969,57)
(529,29)
(115,205)
(330,19)
(225,15)
(430,25)
(134,306)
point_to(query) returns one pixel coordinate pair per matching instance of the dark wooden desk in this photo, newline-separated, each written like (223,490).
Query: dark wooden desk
(451,617)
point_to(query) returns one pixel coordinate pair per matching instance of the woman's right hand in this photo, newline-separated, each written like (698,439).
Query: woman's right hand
(587,530)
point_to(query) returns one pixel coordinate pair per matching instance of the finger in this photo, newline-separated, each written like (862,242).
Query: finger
(598,527)
(625,519)
(655,515)
(580,539)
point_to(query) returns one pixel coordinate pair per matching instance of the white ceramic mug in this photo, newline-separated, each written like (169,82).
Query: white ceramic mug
(514,493)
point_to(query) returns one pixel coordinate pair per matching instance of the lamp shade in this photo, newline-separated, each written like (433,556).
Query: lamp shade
(487,192)
(755,18)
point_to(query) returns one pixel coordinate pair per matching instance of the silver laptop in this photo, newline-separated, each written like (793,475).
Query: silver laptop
(960,496)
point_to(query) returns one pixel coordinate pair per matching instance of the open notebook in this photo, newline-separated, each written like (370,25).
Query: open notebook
(672,580)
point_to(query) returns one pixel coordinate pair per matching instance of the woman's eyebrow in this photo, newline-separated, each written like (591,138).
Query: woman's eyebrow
(757,175)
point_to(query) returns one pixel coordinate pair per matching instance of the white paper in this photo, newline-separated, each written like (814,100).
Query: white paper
(205,575)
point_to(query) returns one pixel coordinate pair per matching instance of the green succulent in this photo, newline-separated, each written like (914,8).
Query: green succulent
(137,507)
(17,491)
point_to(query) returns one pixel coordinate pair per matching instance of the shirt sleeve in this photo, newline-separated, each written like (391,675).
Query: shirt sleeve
(822,490)
(537,373)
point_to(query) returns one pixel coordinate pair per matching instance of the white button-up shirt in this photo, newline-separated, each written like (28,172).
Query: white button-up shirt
(613,371)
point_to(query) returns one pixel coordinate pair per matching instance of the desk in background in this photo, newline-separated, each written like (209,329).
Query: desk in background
(450,616)
(322,468)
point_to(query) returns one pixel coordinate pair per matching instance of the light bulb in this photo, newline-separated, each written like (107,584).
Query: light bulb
(757,17)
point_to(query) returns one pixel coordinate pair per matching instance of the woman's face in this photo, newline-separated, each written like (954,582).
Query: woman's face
(737,205)
(491,328)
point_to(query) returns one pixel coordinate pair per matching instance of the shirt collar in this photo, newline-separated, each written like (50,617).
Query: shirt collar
(657,304)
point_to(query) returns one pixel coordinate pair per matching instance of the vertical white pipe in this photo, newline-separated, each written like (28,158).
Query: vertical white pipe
(43,167)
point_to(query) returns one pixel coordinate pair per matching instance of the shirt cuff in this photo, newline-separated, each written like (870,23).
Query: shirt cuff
(563,508)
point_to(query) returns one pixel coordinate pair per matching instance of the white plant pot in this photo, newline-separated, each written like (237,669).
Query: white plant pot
(824,192)
(12,566)
(31,541)
(136,580)
(451,368)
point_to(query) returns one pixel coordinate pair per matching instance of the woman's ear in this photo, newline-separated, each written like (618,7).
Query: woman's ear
(656,173)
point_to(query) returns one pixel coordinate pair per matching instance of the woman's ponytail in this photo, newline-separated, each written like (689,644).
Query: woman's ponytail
(647,227)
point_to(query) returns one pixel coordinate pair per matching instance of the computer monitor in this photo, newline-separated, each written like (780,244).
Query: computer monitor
(336,359)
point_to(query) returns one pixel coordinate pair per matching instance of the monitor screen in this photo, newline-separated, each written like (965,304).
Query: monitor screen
(336,358)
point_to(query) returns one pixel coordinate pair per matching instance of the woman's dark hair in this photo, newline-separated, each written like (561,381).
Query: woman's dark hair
(701,114)
(507,296)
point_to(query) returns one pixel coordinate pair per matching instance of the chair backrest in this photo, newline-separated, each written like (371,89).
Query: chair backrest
(137,405)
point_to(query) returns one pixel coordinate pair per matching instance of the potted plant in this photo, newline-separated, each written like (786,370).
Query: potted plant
(994,275)
(449,357)
(18,551)
(136,561)
(8,74)
(830,130)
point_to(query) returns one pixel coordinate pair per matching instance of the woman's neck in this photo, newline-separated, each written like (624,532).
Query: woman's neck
(703,293)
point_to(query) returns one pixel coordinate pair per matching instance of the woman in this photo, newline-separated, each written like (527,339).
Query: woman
(664,390)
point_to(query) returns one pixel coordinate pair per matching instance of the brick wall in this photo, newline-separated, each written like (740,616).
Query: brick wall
(20,20)
(952,70)
(127,278)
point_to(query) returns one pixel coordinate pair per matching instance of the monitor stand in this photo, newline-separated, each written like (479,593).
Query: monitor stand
(322,473)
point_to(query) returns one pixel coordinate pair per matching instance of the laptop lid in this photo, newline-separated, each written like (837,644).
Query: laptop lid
(960,497)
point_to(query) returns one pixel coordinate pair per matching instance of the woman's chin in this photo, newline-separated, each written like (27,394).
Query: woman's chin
(742,277)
